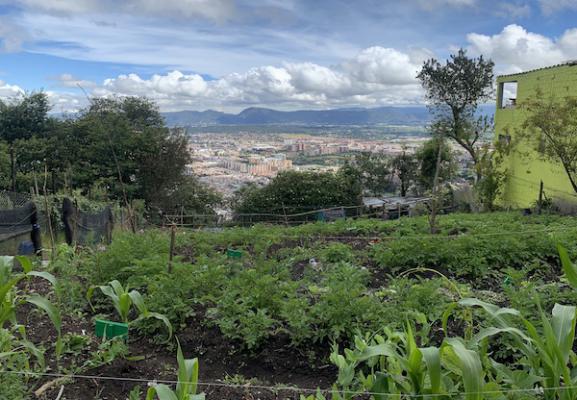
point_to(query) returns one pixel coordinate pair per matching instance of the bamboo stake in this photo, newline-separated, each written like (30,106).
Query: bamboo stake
(47,211)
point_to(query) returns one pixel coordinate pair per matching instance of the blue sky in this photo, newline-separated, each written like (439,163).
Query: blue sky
(287,54)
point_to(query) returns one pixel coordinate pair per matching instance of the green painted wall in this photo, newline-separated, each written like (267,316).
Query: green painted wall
(524,164)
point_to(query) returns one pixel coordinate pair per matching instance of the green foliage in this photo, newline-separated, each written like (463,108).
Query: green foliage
(124,301)
(114,147)
(394,365)
(11,299)
(404,166)
(187,384)
(551,128)
(454,91)
(373,171)
(427,160)
(337,252)
(297,192)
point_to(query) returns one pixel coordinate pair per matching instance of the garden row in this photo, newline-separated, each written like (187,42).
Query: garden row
(280,307)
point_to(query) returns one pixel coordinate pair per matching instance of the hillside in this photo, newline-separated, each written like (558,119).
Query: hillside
(264,116)
(403,115)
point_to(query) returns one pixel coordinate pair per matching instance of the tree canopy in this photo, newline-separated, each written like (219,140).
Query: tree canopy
(119,144)
(296,192)
(454,91)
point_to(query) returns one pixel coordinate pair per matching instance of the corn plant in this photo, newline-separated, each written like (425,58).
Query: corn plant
(11,298)
(187,385)
(125,300)
(395,366)
(548,355)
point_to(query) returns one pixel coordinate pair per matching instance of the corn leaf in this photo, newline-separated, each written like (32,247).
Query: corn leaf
(162,392)
(138,301)
(25,262)
(568,267)
(165,320)
(471,369)
(45,275)
(118,289)
(432,358)
(492,331)
(35,352)
(383,349)
(52,312)
(563,324)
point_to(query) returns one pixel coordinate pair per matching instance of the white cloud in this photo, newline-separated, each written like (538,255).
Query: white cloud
(376,76)
(431,5)
(513,10)
(68,80)
(549,7)
(217,10)
(515,49)
(8,92)
(11,35)
(384,66)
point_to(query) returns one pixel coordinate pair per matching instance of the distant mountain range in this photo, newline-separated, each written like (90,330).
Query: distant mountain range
(417,115)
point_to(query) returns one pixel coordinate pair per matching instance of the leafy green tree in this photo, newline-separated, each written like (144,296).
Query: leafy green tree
(427,163)
(22,119)
(454,91)
(123,144)
(296,192)
(374,172)
(551,129)
(404,166)
(4,166)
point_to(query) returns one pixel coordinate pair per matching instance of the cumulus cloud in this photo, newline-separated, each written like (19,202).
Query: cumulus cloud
(516,49)
(218,10)
(8,92)
(375,76)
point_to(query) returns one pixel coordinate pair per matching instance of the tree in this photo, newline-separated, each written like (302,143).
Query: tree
(21,120)
(4,166)
(551,128)
(427,163)
(454,92)
(404,167)
(294,192)
(373,171)
(124,144)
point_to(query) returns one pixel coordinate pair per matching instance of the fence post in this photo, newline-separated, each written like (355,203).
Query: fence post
(540,202)
(47,211)
(171,252)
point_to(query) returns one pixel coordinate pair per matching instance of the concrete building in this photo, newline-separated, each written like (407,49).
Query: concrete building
(524,164)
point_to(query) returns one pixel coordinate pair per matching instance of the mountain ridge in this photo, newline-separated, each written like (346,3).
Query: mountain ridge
(390,115)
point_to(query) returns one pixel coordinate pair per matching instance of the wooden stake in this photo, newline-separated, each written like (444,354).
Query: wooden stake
(171,252)
(540,202)
(47,211)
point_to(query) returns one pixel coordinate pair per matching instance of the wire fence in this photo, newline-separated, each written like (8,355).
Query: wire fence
(384,209)
(539,390)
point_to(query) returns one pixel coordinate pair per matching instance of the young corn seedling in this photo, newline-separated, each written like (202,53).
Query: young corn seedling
(187,385)
(547,351)
(396,367)
(125,300)
(11,298)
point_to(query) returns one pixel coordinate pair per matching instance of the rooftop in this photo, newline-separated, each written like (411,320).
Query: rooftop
(571,63)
